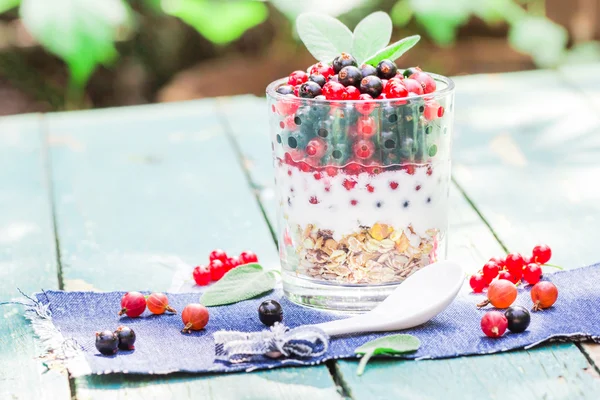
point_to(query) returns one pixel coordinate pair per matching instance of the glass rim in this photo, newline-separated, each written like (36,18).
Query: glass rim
(270,91)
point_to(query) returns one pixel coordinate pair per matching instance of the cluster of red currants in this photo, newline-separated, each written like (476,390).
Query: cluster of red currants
(219,263)
(513,268)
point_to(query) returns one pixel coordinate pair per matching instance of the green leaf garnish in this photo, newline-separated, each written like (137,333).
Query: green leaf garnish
(241,283)
(392,344)
(325,37)
(371,34)
(393,51)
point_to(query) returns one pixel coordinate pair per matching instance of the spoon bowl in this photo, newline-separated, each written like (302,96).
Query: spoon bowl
(422,296)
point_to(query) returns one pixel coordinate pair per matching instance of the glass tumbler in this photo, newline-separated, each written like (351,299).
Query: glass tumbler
(362,190)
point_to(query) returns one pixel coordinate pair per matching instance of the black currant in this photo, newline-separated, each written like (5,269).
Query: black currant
(270,312)
(350,76)
(409,71)
(386,69)
(343,60)
(367,70)
(285,89)
(126,338)
(318,79)
(518,318)
(107,342)
(371,85)
(309,89)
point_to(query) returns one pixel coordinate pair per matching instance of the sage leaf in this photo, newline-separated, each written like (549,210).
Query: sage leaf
(241,283)
(371,34)
(392,344)
(393,51)
(325,37)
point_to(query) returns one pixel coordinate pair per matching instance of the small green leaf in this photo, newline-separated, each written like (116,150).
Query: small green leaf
(371,34)
(401,13)
(390,345)
(543,39)
(325,37)
(220,22)
(6,5)
(241,283)
(393,51)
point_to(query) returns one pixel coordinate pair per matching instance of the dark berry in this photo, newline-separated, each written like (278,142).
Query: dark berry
(334,78)
(309,90)
(126,338)
(368,70)
(386,69)
(409,71)
(107,342)
(350,76)
(518,318)
(371,85)
(270,312)
(285,89)
(343,60)
(318,79)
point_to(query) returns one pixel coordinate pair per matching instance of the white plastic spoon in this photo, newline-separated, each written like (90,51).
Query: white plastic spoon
(422,296)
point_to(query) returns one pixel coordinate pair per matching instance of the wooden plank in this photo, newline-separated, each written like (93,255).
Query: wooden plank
(137,187)
(27,258)
(470,243)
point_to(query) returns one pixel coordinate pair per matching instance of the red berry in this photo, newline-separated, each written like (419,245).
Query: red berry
(394,185)
(366,127)
(440,112)
(331,171)
(365,107)
(297,78)
(232,262)
(395,91)
(321,68)
(504,274)
(514,263)
(217,254)
(532,273)
(544,295)
(317,175)
(351,93)
(374,168)
(370,188)
(353,169)
(333,90)
(158,303)
(195,317)
(477,283)
(296,90)
(289,122)
(363,149)
(304,166)
(490,271)
(313,200)
(201,275)
(431,110)
(353,202)
(349,184)
(316,148)
(541,254)
(247,257)
(133,304)
(217,269)
(499,261)
(288,105)
(501,294)
(426,81)
(494,324)
(413,86)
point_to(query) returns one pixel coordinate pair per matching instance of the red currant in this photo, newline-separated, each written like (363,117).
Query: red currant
(363,149)
(288,105)
(395,91)
(201,275)
(431,110)
(353,169)
(490,271)
(541,254)
(349,184)
(316,148)
(331,171)
(366,127)
(217,254)
(365,107)
(532,273)
(514,264)
(374,168)
(494,324)
(321,68)
(499,261)
(217,269)
(426,81)
(289,122)
(370,188)
(333,90)
(413,86)
(504,274)
(394,185)
(232,262)
(313,200)
(297,78)
(351,93)
(247,257)
(477,283)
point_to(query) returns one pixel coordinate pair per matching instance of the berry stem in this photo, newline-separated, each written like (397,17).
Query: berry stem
(553,266)
(187,328)
(123,311)
(170,309)
(483,303)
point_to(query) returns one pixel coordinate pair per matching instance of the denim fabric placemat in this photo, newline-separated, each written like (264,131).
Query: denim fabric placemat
(161,348)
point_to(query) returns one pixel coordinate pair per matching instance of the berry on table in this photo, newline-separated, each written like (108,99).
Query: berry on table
(514,263)
(518,319)
(368,70)
(541,254)
(532,273)
(350,76)
(343,60)
(194,317)
(490,271)
(371,85)
(158,303)
(126,337)
(386,69)
(494,324)
(318,79)
(504,274)
(247,257)
(218,254)
(133,304)
(232,262)
(500,294)
(285,89)
(323,69)
(297,78)
(477,283)
(217,270)
(201,275)
(499,261)
(270,312)
(544,295)
(309,90)
(107,343)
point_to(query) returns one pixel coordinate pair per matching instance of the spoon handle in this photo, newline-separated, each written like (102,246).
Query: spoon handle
(346,326)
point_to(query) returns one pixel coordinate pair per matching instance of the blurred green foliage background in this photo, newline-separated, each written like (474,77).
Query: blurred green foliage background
(68,54)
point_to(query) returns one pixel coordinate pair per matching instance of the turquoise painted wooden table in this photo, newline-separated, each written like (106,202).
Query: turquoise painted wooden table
(94,200)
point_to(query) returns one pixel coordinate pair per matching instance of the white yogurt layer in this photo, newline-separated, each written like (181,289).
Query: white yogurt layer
(419,200)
